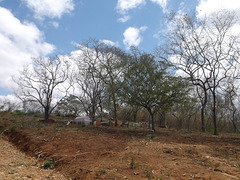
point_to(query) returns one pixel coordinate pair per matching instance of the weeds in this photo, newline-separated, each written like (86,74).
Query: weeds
(149,138)
(12,128)
(49,164)
(149,173)
(132,164)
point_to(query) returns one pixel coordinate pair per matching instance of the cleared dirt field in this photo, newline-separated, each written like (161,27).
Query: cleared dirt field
(17,165)
(128,153)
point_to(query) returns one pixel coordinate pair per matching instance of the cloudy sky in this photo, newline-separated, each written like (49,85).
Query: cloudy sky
(32,28)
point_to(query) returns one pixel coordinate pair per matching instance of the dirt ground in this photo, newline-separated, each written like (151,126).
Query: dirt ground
(17,165)
(119,153)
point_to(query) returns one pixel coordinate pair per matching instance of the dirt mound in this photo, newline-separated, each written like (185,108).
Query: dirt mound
(122,153)
(24,142)
(68,149)
(17,165)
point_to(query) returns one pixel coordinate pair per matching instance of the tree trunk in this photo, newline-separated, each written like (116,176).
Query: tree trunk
(92,114)
(153,127)
(188,123)
(149,122)
(202,119)
(233,121)
(101,109)
(204,103)
(214,113)
(152,119)
(134,116)
(46,113)
(115,109)
(179,121)
(162,120)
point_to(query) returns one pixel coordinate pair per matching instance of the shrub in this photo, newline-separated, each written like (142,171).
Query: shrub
(48,164)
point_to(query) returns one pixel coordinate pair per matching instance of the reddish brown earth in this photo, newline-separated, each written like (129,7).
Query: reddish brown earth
(125,153)
(17,165)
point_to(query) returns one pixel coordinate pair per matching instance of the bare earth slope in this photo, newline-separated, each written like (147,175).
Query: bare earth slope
(122,153)
(17,165)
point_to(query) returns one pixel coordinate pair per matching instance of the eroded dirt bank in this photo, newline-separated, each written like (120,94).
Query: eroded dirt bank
(110,153)
(15,164)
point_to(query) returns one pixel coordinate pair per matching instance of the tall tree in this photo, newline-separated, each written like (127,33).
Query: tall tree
(113,65)
(230,90)
(205,50)
(91,87)
(147,84)
(44,82)
(100,67)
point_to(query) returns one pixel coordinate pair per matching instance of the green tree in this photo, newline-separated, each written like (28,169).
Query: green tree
(147,84)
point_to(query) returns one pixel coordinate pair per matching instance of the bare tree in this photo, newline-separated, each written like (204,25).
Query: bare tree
(231,93)
(91,88)
(205,50)
(70,106)
(44,82)
(88,77)
(6,104)
(101,67)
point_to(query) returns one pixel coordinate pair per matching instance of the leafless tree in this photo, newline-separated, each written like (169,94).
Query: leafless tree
(7,104)
(230,91)
(205,50)
(91,88)
(44,82)
(88,77)
(100,67)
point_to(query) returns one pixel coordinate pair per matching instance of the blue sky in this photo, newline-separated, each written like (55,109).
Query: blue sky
(32,28)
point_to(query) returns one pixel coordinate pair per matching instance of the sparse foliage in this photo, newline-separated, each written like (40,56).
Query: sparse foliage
(205,50)
(44,82)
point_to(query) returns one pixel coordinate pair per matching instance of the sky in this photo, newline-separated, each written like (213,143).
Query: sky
(34,28)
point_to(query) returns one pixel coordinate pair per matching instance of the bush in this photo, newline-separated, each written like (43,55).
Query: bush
(18,112)
(49,164)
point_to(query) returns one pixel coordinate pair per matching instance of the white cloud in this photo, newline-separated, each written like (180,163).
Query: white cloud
(132,36)
(110,43)
(50,8)
(162,3)
(124,19)
(19,41)
(54,24)
(206,7)
(124,6)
